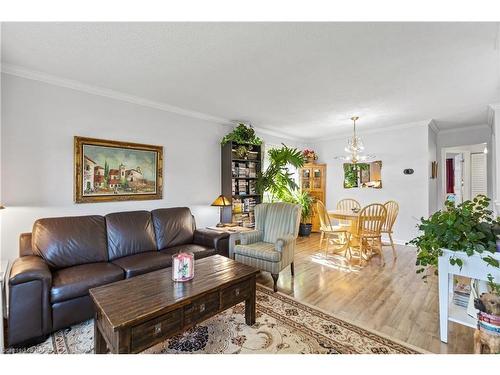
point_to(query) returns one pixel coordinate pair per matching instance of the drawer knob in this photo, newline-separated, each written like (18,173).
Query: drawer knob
(202,307)
(237,291)
(157,329)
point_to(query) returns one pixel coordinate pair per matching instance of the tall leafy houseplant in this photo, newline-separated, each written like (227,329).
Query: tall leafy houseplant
(277,180)
(468,228)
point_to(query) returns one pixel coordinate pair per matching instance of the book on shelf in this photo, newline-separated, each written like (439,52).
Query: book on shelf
(461,291)
(252,187)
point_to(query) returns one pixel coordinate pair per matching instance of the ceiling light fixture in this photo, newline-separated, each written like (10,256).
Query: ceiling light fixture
(355,148)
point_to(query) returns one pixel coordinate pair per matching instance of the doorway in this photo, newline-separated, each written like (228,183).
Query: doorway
(464,172)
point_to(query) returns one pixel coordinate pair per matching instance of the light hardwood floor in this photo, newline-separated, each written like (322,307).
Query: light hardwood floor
(392,299)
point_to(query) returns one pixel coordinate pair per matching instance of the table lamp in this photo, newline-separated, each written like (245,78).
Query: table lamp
(221,202)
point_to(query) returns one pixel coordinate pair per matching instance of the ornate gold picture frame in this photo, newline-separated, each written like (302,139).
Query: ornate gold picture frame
(107,171)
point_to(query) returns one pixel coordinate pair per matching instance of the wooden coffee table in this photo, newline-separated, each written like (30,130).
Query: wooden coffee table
(135,314)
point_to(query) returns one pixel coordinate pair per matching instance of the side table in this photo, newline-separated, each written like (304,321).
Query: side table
(234,235)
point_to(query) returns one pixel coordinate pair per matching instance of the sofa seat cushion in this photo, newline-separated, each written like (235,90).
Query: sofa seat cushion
(73,282)
(199,251)
(259,250)
(138,264)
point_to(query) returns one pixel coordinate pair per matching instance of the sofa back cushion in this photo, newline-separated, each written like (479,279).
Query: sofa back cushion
(129,233)
(173,226)
(69,241)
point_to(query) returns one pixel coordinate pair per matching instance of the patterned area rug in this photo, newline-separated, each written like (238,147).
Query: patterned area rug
(283,325)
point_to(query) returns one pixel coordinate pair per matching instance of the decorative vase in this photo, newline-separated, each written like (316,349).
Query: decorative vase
(182,267)
(310,160)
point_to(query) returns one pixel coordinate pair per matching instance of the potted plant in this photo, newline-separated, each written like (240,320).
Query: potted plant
(468,228)
(242,134)
(305,200)
(310,155)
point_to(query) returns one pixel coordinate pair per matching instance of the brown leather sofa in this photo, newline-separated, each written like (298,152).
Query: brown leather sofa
(64,257)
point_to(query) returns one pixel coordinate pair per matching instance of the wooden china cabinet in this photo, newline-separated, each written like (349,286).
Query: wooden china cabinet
(313,180)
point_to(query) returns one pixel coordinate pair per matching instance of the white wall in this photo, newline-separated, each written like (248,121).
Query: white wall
(463,137)
(38,124)
(433,182)
(397,149)
(39,121)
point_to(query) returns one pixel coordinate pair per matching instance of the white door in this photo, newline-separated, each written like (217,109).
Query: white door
(479,174)
(459,178)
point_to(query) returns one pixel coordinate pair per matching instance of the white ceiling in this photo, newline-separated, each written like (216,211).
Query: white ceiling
(301,79)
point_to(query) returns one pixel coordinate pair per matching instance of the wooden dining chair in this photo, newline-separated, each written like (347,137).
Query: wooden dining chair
(336,234)
(369,236)
(347,205)
(392,208)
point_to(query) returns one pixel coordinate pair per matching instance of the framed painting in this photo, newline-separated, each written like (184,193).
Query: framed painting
(106,171)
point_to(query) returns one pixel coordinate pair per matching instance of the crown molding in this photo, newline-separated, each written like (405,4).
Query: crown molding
(276,134)
(433,125)
(465,128)
(492,108)
(379,129)
(22,72)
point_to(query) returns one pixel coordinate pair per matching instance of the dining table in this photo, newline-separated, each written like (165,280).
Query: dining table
(346,215)
(352,218)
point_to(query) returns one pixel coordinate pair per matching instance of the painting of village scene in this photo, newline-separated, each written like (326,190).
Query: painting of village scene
(111,172)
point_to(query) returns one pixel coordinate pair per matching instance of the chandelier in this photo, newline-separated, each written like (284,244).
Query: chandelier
(355,148)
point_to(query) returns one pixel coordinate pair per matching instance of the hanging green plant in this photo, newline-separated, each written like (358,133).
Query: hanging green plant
(242,134)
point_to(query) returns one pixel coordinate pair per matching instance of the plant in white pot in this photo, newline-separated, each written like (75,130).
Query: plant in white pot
(466,235)
(468,228)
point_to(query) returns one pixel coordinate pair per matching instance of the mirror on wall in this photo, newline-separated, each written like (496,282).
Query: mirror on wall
(363,175)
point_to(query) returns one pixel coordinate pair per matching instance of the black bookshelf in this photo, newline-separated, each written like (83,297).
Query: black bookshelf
(239,176)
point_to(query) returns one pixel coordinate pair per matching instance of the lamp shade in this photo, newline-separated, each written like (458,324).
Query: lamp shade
(221,201)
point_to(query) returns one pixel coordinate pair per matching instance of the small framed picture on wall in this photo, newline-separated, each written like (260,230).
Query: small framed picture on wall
(107,171)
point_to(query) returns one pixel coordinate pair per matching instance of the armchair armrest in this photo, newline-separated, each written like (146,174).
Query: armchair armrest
(283,242)
(30,313)
(210,238)
(247,238)
(286,246)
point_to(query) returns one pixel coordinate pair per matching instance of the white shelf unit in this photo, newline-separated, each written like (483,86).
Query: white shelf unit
(473,267)
(458,314)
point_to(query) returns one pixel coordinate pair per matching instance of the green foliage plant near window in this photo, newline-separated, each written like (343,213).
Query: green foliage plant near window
(468,227)
(277,180)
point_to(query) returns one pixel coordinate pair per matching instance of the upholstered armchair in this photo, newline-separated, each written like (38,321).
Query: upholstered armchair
(271,246)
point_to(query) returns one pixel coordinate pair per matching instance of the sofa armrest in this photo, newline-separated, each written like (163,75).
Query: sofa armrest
(247,238)
(25,244)
(30,314)
(212,239)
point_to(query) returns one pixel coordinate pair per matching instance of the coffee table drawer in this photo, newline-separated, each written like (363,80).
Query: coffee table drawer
(142,335)
(201,308)
(236,293)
